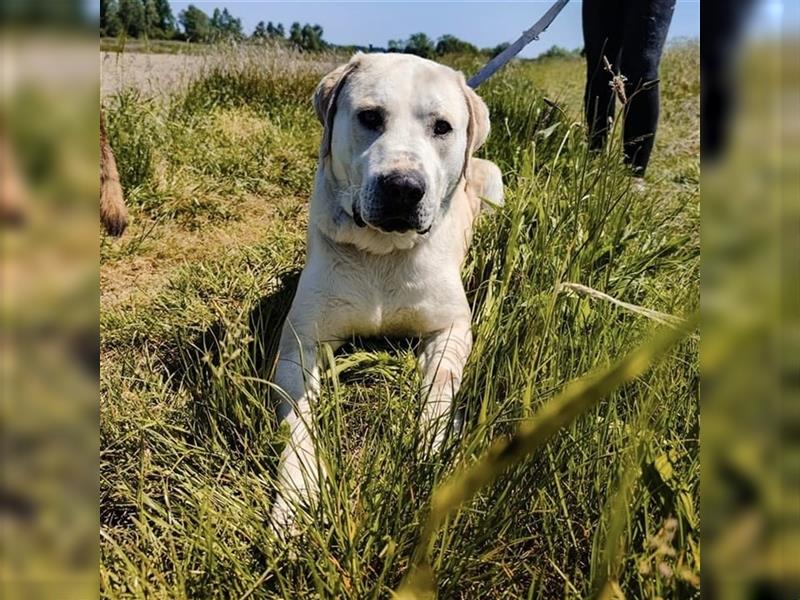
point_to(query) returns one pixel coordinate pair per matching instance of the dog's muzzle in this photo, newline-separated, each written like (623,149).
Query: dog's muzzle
(398,195)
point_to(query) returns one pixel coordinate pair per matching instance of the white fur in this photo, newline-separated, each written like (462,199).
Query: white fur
(363,281)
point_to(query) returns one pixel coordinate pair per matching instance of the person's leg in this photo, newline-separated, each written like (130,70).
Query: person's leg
(602,33)
(646,26)
(722,22)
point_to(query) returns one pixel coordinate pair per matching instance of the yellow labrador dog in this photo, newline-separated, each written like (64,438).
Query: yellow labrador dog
(396,194)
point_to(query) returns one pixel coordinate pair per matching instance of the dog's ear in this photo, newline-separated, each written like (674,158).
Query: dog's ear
(478,125)
(478,129)
(325,100)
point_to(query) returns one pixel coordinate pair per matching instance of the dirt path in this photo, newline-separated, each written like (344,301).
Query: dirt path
(160,75)
(151,74)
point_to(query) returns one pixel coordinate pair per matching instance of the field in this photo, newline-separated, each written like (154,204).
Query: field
(217,165)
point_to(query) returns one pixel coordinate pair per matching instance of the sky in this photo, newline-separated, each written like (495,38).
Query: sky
(484,24)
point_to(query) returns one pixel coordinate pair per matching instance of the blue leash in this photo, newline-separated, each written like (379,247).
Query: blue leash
(499,61)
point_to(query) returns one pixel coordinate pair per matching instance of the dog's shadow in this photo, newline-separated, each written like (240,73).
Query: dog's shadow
(226,367)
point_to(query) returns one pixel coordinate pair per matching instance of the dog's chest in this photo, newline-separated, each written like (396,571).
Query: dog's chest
(386,296)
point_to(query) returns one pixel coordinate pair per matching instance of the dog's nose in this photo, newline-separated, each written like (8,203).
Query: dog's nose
(402,189)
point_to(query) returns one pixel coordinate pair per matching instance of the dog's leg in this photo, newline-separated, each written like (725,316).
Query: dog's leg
(442,363)
(486,181)
(113,212)
(297,375)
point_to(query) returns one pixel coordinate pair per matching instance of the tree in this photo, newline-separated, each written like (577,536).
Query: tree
(306,37)
(268,31)
(109,18)
(421,45)
(450,44)
(260,32)
(554,52)
(165,18)
(216,23)
(312,38)
(132,18)
(225,26)
(492,52)
(136,18)
(395,46)
(151,27)
(232,25)
(274,32)
(196,24)
(296,34)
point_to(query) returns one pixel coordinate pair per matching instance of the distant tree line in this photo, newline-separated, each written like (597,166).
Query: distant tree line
(137,18)
(154,19)
(422,45)
(197,26)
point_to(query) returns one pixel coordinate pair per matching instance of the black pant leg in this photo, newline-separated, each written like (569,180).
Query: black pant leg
(602,36)
(646,26)
(722,22)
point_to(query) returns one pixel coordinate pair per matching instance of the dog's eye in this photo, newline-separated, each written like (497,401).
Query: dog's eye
(371,119)
(442,127)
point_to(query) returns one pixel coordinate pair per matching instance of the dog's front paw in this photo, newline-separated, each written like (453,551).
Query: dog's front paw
(113,212)
(283,518)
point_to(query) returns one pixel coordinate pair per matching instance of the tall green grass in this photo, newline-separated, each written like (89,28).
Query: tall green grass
(530,435)
(188,434)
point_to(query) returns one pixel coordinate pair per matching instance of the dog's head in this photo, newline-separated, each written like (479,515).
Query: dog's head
(399,131)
